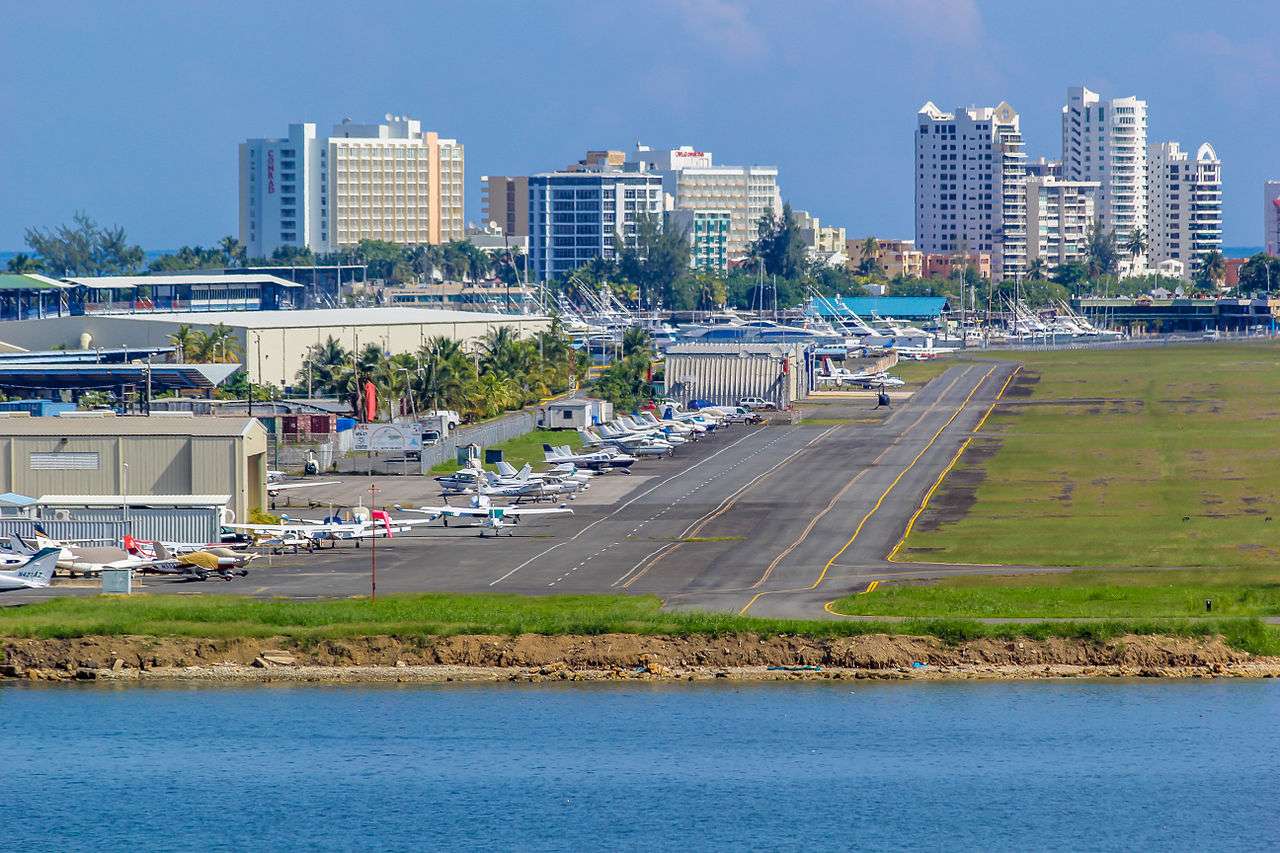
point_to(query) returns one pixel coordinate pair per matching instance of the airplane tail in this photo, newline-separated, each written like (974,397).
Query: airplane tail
(505,469)
(17,546)
(162,553)
(525,472)
(38,571)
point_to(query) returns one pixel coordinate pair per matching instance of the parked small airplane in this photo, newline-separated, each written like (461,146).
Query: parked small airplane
(597,460)
(492,517)
(632,445)
(35,573)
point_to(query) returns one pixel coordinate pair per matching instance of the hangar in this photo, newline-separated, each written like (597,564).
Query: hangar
(102,454)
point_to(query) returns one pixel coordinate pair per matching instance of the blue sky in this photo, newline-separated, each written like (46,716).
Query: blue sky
(132,111)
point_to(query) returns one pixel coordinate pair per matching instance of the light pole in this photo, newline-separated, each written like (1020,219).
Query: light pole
(124,496)
(373,544)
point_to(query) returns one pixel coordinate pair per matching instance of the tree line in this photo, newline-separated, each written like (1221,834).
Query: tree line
(502,372)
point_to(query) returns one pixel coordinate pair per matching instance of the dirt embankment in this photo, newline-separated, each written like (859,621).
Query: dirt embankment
(618,656)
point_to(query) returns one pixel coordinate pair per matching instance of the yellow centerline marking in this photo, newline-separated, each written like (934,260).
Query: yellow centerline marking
(879,501)
(696,528)
(813,522)
(924,503)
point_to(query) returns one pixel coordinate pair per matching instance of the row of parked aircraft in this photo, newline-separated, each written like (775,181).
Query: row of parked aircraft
(24,564)
(614,446)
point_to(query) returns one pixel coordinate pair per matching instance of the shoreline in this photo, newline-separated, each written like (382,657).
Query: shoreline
(533,658)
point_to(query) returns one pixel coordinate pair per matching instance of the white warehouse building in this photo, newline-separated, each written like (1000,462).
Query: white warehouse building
(274,344)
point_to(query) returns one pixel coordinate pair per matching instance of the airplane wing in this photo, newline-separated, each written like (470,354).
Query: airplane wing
(520,510)
(280,487)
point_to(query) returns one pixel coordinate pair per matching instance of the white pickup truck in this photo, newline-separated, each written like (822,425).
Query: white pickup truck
(448,417)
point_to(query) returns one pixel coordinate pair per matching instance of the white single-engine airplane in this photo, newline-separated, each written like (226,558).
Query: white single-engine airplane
(35,573)
(491,517)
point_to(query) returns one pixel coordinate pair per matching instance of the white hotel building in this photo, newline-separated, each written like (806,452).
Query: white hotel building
(970,185)
(1184,220)
(389,181)
(692,181)
(1106,141)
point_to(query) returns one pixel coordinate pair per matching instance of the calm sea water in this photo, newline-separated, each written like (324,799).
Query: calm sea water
(1012,766)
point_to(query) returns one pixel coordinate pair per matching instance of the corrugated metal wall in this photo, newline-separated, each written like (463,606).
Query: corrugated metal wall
(725,378)
(182,524)
(106,531)
(176,524)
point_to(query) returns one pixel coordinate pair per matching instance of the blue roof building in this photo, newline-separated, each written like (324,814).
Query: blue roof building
(897,307)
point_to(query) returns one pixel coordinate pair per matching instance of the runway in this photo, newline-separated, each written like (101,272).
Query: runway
(767,520)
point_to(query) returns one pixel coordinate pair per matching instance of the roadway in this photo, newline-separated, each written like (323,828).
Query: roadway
(769,520)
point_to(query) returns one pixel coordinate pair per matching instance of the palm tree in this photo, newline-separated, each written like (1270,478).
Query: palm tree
(636,340)
(323,364)
(1212,268)
(23,263)
(232,250)
(218,346)
(1101,259)
(186,341)
(1136,245)
(870,263)
(1035,271)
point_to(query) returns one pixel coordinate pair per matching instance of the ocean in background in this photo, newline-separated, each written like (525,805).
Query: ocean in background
(1227,251)
(1079,765)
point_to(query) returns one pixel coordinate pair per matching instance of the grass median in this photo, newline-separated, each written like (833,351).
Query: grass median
(425,615)
(525,448)
(1120,458)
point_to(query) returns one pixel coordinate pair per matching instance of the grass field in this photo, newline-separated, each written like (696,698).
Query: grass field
(1083,594)
(439,615)
(1120,458)
(918,373)
(526,448)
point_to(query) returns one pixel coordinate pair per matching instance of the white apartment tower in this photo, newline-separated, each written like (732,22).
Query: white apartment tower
(1184,220)
(575,217)
(1059,215)
(388,181)
(1106,141)
(1271,217)
(970,185)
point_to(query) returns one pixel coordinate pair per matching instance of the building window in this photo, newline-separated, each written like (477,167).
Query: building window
(64,461)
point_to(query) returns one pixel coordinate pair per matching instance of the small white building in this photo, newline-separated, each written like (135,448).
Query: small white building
(574,413)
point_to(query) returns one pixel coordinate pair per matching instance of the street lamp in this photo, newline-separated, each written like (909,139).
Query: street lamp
(373,544)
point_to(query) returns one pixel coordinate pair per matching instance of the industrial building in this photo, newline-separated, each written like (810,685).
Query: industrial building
(31,296)
(273,345)
(136,457)
(725,373)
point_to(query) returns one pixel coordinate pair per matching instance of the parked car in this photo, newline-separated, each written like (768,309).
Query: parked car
(758,404)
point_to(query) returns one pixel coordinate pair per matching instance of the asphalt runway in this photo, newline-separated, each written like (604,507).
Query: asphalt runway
(769,520)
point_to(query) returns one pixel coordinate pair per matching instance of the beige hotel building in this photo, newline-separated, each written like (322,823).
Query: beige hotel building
(390,181)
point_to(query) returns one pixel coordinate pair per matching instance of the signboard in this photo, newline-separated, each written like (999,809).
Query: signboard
(271,172)
(382,437)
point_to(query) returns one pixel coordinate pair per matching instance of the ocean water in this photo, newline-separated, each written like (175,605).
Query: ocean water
(1115,765)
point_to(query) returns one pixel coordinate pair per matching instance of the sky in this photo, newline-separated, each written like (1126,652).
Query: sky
(132,111)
